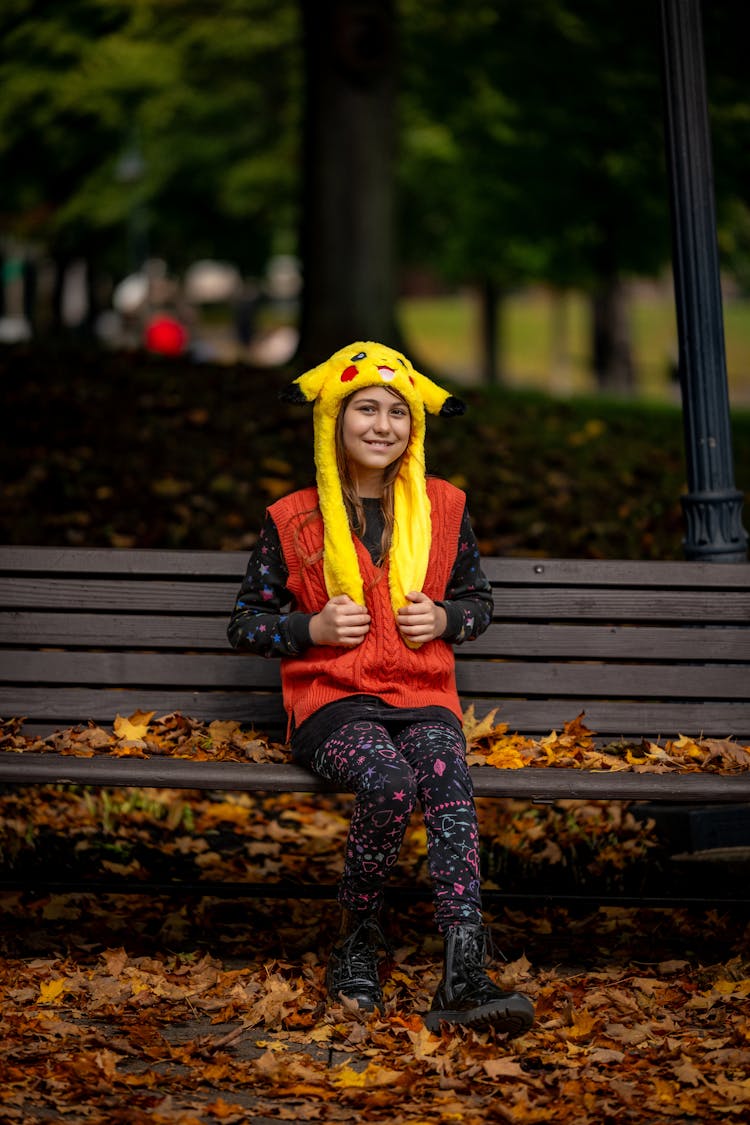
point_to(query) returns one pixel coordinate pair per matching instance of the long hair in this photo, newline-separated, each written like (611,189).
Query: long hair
(352,502)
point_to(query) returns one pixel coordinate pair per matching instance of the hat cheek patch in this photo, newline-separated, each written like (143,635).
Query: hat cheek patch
(349,374)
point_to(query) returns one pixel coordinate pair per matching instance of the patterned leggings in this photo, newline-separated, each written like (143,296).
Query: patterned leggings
(389,773)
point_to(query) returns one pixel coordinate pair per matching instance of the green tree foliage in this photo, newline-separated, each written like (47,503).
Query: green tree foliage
(533,140)
(729,103)
(530,134)
(184,110)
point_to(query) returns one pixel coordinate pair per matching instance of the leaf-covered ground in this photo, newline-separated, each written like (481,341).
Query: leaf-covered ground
(119,450)
(195,1008)
(185,1010)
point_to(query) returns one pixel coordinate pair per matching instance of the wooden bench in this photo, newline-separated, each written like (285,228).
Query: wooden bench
(645,649)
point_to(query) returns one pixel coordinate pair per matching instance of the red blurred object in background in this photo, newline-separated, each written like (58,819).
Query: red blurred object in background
(165,335)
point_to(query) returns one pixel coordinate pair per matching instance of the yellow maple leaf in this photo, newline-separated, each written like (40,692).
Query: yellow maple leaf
(51,992)
(505,756)
(474,728)
(134,728)
(583,1024)
(424,1042)
(687,748)
(736,988)
(373,1075)
(578,731)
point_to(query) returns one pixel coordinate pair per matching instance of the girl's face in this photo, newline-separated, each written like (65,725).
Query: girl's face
(376,428)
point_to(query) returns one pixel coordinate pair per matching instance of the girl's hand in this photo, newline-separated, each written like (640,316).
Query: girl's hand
(422,620)
(340,622)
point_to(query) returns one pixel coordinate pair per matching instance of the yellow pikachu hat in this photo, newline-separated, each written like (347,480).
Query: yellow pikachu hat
(365,364)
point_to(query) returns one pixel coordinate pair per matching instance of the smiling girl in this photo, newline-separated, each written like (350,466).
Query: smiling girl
(361,586)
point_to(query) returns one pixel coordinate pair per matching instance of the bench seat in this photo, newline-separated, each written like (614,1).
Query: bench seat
(645,649)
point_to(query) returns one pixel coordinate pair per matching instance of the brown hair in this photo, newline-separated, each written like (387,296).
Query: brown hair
(352,502)
(304,519)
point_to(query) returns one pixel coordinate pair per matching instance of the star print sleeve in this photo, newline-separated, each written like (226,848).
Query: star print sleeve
(263,620)
(468,600)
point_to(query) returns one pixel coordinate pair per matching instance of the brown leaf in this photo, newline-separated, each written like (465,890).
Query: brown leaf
(504,1068)
(476,729)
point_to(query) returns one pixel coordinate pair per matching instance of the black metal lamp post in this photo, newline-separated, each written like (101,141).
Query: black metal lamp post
(713,505)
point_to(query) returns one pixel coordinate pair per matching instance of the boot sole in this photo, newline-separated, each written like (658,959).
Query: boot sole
(498,1015)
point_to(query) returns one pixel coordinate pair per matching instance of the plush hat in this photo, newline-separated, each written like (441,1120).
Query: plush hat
(366,364)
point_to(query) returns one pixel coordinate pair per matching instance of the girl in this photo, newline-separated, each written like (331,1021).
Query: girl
(361,586)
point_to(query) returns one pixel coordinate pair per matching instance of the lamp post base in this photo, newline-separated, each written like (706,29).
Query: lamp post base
(714,526)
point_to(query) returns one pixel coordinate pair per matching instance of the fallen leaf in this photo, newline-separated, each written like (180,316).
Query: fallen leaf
(504,1068)
(51,991)
(134,728)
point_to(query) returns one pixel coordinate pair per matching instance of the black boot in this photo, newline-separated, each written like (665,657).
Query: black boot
(467,996)
(353,965)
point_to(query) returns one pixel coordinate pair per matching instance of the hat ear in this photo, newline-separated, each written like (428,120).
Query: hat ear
(436,399)
(452,407)
(292,393)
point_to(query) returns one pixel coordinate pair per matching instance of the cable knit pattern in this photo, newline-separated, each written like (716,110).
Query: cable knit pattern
(382,665)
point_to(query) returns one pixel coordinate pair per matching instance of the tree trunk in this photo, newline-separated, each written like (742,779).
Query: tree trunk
(612,349)
(347,234)
(61,263)
(559,342)
(489,313)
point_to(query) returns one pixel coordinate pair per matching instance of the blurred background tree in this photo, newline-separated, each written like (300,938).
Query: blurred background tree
(484,183)
(491,145)
(533,151)
(150,128)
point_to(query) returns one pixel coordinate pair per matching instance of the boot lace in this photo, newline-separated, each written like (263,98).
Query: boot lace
(357,960)
(478,950)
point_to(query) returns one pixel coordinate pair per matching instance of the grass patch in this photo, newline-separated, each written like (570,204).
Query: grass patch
(545,340)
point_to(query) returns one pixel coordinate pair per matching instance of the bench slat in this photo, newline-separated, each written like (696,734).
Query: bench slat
(136,631)
(133,631)
(231,565)
(732,606)
(121,595)
(618,642)
(127,669)
(527,784)
(655,681)
(615,572)
(71,706)
(247,672)
(132,560)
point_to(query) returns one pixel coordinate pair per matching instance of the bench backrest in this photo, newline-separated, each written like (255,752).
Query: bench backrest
(644,648)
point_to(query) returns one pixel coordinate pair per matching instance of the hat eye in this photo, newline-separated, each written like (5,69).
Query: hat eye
(358,356)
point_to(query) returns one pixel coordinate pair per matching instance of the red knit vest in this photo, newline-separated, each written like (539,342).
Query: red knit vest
(382,664)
